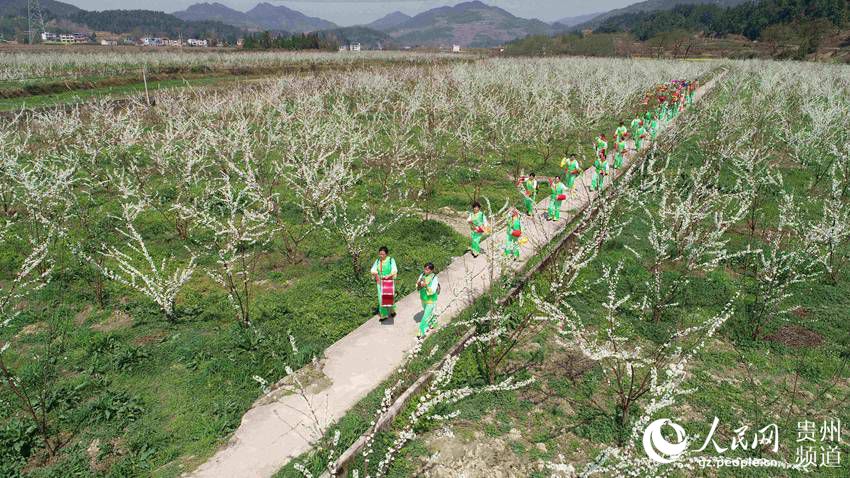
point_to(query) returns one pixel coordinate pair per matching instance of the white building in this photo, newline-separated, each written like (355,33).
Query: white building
(355,47)
(48,36)
(156,41)
(196,42)
(455,48)
(109,42)
(73,38)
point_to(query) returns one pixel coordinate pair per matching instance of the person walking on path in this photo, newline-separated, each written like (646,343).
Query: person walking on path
(384,269)
(478,224)
(572,171)
(600,171)
(621,131)
(529,190)
(653,127)
(601,146)
(429,289)
(641,136)
(558,196)
(514,232)
(635,125)
(619,153)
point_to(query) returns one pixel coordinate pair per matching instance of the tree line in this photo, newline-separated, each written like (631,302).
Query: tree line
(747,19)
(301,41)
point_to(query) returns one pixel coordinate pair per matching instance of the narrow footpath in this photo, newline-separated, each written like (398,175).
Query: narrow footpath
(273,432)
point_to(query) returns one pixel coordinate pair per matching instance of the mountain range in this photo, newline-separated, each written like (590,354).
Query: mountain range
(469,24)
(264,16)
(648,6)
(61,17)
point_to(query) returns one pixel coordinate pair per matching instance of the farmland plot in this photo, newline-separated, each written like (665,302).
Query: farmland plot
(716,298)
(159,261)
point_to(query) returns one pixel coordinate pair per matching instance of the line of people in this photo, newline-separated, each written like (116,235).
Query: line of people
(672,98)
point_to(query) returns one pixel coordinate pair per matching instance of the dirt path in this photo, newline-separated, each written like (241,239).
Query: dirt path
(275,431)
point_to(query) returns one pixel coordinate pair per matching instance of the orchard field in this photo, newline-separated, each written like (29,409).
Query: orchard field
(710,284)
(163,261)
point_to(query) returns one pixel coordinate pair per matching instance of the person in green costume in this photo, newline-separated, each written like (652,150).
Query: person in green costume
(429,289)
(601,146)
(572,171)
(620,131)
(620,153)
(384,268)
(600,171)
(512,241)
(653,127)
(477,223)
(641,135)
(558,189)
(635,125)
(529,190)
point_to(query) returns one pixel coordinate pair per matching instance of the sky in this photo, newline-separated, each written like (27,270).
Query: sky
(355,12)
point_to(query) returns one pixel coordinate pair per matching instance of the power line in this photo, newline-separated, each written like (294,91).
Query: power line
(34,19)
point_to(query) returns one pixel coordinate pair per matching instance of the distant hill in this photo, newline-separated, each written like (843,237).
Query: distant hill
(796,19)
(651,6)
(389,22)
(264,16)
(146,22)
(367,37)
(798,29)
(215,12)
(470,24)
(282,18)
(59,17)
(573,21)
(50,8)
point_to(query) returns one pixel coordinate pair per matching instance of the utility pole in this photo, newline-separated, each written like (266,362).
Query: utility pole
(35,21)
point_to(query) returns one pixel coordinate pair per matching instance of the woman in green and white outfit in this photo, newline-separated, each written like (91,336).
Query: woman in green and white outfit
(384,268)
(429,290)
(558,190)
(512,241)
(529,190)
(477,223)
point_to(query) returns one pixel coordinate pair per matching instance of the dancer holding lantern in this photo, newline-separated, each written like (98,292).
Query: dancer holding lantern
(572,170)
(514,232)
(478,224)
(558,196)
(384,271)
(601,146)
(621,131)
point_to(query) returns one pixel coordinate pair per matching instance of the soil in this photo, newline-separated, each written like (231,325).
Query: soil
(795,336)
(118,320)
(83,315)
(478,457)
